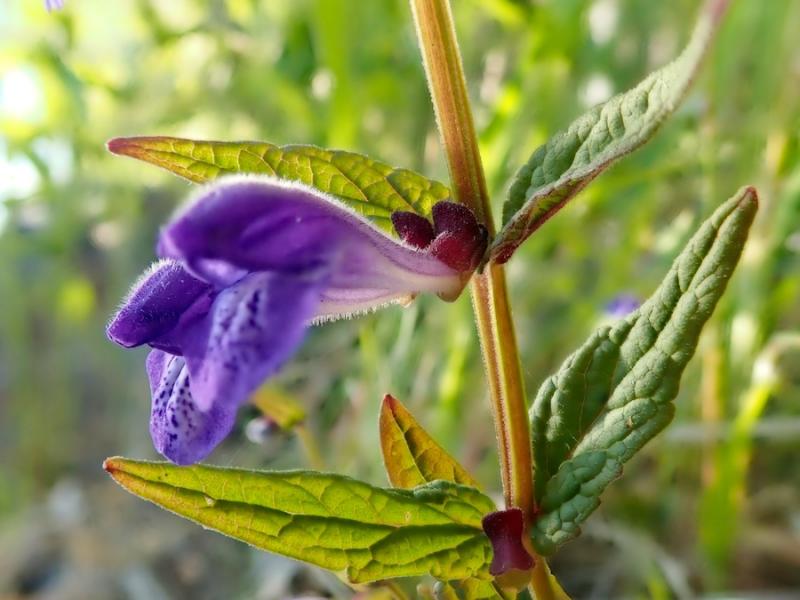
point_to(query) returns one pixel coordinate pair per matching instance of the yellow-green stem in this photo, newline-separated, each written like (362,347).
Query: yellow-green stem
(445,73)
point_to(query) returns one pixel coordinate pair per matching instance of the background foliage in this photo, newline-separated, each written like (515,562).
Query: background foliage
(714,504)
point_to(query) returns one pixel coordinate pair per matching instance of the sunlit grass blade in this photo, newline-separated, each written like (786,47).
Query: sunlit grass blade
(372,188)
(411,456)
(723,500)
(615,393)
(564,165)
(328,520)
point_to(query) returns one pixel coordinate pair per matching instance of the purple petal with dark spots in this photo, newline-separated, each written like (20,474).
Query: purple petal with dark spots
(182,432)
(244,224)
(254,327)
(250,331)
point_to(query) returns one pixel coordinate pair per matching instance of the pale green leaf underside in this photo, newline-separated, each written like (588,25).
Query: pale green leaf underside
(372,188)
(327,520)
(615,393)
(566,163)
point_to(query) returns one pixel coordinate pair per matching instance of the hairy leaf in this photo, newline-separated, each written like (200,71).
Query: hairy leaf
(565,164)
(615,393)
(327,520)
(372,188)
(412,457)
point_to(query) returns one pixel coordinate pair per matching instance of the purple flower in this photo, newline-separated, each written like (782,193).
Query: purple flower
(245,268)
(52,5)
(621,306)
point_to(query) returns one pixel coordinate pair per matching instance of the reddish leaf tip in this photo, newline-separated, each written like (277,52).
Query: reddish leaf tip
(390,402)
(134,146)
(119,145)
(109,465)
(750,194)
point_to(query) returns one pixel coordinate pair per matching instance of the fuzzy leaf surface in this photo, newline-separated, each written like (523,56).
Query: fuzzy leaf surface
(565,164)
(328,520)
(411,456)
(615,392)
(368,186)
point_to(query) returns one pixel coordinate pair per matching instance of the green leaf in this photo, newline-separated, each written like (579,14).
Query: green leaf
(412,457)
(369,187)
(615,393)
(327,520)
(565,164)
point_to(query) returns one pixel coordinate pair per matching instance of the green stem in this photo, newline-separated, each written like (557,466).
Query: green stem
(442,59)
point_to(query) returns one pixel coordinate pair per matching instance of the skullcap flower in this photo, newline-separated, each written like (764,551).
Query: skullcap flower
(245,268)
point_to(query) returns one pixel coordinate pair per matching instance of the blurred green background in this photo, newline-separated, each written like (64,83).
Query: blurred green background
(710,507)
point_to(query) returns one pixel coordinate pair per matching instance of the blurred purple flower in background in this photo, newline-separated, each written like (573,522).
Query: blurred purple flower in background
(245,268)
(622,305)
(52,5)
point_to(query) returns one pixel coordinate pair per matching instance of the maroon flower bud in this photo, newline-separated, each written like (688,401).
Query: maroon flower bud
(454,217)
(505,529)
(455,238)
(460,240)
(413,229)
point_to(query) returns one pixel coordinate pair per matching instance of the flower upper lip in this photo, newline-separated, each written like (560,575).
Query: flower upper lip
(246,266)
(245,223)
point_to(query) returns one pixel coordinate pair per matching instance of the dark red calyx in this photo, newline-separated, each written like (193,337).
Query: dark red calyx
(455,238)
(505,529)
(413,229)
(460,240)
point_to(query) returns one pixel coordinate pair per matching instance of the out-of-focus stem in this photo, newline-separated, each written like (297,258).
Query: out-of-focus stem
(309,444)
(711,406)
(397,592)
